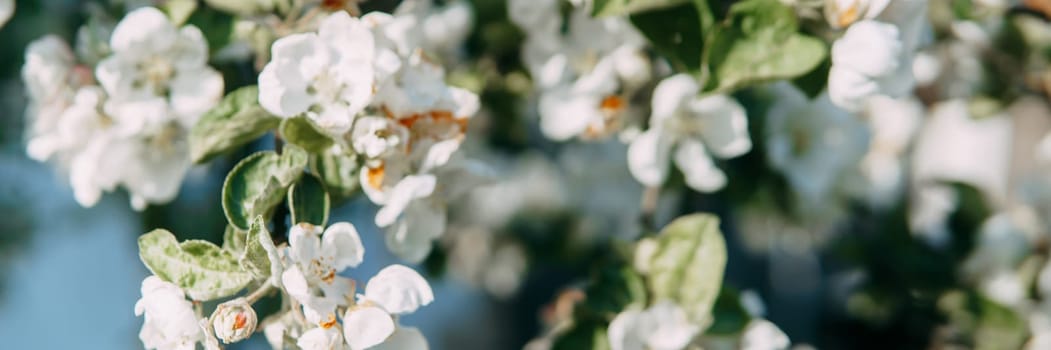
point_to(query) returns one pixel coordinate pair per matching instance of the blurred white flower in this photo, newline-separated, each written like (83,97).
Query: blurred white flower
(761,334)
(954,146)
(893,124)
(586,75)
(688,128)
(663,326)
(170,320)
(813,143)
(328,75)
(869,60)
(314,261)
(157,75)
(395,290)
(7,10)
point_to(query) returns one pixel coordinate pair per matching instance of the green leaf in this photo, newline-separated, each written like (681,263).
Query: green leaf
(586,335)
(759,42)
(603,8)
(234,239)
(308,201)
(258,183)
(730,316)
(260,256)
(813,83)
(688,263)
(237,120)
(202,269)
(677,33)
(179,10)
(303,133)
(339,173)
(217,27)
(613,289)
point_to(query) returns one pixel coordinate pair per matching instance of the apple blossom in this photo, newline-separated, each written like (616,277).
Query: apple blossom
(688,128)
(170,320)
(327,75)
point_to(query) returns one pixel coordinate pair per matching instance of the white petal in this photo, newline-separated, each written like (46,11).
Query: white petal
(399,290)
(671,330)
(648,157)
(564,115)
(621,332)
(761,334)
(146,30)
(670,94)
(295,283)
(344,239)
(283,82)
(304,244)
(321,339)
(697,167)
(870,48)
(412,237)
(195,92)
(404,338)
(408,189)
(365,327)
(724,125)
(849,89)
(439,154)
(7,9)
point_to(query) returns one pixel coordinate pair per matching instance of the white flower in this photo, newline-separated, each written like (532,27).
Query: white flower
(170,319)
(234,321)
(761,334)
(157,74)
(953,146)
(414,210)
(312,277)
(870,59)
(842,13)
(813,143)
(692,127)
(328,75)
(395,290)
(7,9)
(378,137)
(51,82)
(321,338)
(586,74)
(893,122)
(664,326)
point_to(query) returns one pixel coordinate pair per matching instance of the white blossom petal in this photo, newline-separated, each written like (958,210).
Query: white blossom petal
(399,290)
(724,125)
(407,190)
(649,157)
(344,239)
(697,167)
(367,326)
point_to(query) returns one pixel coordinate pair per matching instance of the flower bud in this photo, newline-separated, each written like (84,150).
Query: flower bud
(234,321)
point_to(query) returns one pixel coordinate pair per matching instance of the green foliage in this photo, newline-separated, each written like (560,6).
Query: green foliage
(759,42)
(259,182)
(301,132)
(237,120)
(990,325)
(234,238)
(728,314)
(179,10)
(624,7)
(260,256)
(200,268)
(687,264)
(217,27)
(308,201)
(589,335)
(613,288)
(338,172)
(677,33)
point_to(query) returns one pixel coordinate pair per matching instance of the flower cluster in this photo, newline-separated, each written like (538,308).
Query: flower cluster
(369,84)
(322,311)
(586,75)
(124,121)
